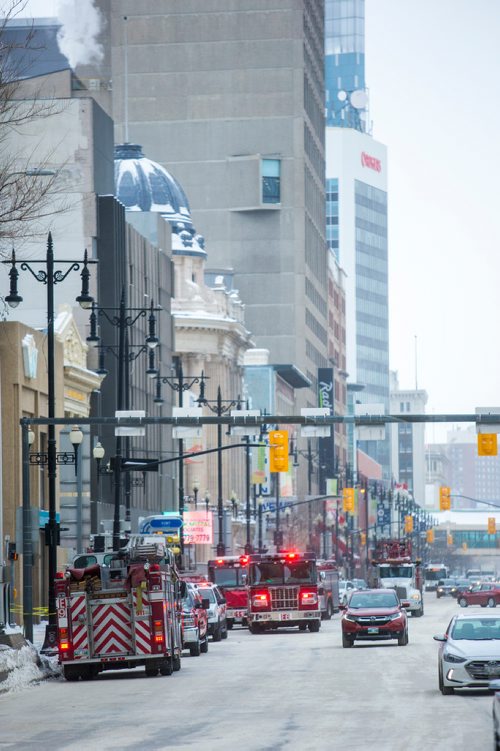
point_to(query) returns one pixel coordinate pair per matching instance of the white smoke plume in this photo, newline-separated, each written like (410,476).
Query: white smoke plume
(81,24)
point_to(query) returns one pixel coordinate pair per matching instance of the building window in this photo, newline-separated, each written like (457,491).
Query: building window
(271,181)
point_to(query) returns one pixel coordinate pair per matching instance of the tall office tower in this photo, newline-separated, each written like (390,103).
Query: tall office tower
(230,98)
(346,101)
(408,439)
(356,214)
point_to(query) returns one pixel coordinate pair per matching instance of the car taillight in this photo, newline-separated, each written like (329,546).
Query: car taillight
(308,598)
(63,639)
(158,631)
(260,600)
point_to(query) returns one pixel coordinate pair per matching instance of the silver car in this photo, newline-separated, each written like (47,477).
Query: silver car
(469,653)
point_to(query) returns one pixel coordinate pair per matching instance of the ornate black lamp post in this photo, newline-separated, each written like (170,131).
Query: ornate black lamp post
(50,277)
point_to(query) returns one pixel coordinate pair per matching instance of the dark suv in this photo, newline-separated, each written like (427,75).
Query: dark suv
(374,614)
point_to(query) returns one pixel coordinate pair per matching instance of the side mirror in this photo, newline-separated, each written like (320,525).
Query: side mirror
(405,604)
(223,601)
(440,637)
(342,606)
(205,603)
(322,576)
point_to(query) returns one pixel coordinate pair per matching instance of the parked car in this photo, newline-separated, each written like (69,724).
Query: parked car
(445,587)
(360,583)
(374,614)
(345,589)
(217,622)
(495,686)
(194,623)
(469,652)
(486,594)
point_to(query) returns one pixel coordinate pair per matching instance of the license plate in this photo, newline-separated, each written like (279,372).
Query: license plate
(285,616)
(373,630)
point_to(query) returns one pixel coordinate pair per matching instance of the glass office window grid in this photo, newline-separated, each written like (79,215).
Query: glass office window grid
(332,216)
(372,313)
(271,169)
(344,59)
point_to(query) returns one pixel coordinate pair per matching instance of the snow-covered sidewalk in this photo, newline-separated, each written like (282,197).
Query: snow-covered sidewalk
(26,666)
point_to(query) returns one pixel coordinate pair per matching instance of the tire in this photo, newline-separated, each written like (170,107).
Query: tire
(329,611)
(418,613)
(314,626)
(217,634)
(151,672)
(302,626)
(254,628)
(71,673)
(463,602)
(204,646)
(347,641)
(167,666)
(195,650)
(492,602)
(223,634)
(230,624)
(403,639)
(176,661)
(445,690)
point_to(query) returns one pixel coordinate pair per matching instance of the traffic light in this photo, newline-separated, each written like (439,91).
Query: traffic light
(13,554)
(444,498)
(408,523)
(362,538)
(487,444)
(348,500)
(430,536)
(278,450)
(492,526)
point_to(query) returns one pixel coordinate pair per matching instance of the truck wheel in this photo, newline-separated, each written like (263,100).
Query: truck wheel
(254,628)
(230,624)
(204,646)
(176,660)
(492,602)
(216,636)
(418,613)
(194,649)
(151,672)
(302,626)
(347,641)
(167,666)
(329,611)
(71,673)
(462,602)
(314,626)
(224,632)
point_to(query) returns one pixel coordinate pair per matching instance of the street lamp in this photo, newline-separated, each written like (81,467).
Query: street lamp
(50,277)
(234,504)
(76,438)
(126,318)
(179,385)
(196,487)
(260,503)
(219,408)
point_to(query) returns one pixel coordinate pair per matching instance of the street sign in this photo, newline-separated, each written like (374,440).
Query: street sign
(491,427)
(315,431)
(369,432)
(247,430)
(130,430)
(190,431)
(141,465)
(162,523)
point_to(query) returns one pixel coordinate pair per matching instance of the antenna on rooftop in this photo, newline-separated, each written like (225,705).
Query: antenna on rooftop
(125,76)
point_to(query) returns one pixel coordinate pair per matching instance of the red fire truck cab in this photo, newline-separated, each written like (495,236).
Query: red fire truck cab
(283,591)
(229,572)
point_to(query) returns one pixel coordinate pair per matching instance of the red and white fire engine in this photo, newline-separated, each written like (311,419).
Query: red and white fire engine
(394,568)
(120,615)
(229,572)
(283,591)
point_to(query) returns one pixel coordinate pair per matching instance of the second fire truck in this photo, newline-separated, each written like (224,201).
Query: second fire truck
(229,572)
(283,591)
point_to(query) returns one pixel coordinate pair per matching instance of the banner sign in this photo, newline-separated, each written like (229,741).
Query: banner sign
(326,446)
(198,528)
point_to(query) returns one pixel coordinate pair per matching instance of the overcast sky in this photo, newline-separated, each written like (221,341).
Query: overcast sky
(433,70)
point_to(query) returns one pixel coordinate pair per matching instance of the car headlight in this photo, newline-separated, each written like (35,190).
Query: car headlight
(415,597)
(450,657)
(440,589)
(350,618)
(395,616)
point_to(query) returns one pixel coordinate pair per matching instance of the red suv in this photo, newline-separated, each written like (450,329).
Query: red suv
(374,614)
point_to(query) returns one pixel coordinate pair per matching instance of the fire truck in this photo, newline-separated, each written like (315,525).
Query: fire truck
(120,615)
(328,588)
(229,572)
(283,591)
(394,568)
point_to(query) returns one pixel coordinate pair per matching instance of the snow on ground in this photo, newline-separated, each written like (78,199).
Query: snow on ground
(26,666)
